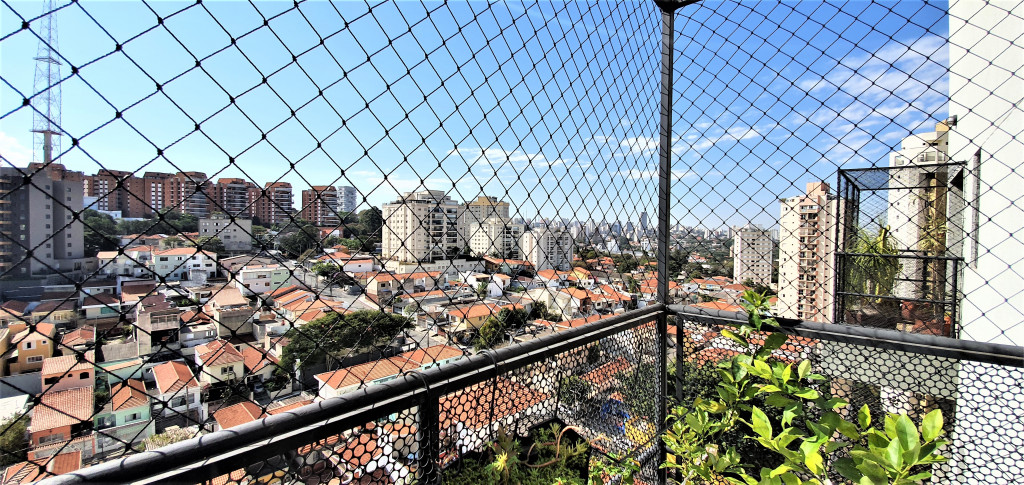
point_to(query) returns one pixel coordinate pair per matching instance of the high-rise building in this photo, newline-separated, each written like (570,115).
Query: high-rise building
(643,222)
(478,211)
(348,199)
(807,254)
(232,196)
(922,215)
(752,255)
(320,206)
(38,218)
(547,248)
(187,192)
(421,227)
(234,232)
(496,236)
(275,203)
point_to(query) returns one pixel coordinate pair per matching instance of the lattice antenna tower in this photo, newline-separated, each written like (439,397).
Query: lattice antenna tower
(46,102)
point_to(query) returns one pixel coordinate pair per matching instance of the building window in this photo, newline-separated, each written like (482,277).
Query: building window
(35,359)
(133,417)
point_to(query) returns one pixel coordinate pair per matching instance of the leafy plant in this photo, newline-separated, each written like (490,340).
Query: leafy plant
(603,471)
(809,431)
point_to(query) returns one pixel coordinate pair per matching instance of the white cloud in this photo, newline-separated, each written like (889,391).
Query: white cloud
(13,152)
(639,144)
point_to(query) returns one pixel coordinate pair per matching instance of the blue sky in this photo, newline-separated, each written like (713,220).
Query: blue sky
(552,106)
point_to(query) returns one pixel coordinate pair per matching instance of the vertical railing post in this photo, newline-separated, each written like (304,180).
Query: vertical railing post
(429,469)
(668,9)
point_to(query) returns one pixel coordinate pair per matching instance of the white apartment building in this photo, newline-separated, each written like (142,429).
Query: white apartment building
(256,279)
(236,235)
(347,198)
(807,255)
(496,235)
(421,227)
(547,248)
(752,255)
(922,208)
(183,264)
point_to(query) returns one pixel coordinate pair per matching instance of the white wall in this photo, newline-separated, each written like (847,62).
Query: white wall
(985,94)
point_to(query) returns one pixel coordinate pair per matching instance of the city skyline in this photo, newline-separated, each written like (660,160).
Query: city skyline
(543,147)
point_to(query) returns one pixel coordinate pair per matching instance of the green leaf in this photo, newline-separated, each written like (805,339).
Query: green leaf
(791,412)
(848,469)
(931,426)
(791,479)
(894,454)
(832,446)
(732,335)
(814,463)
(803,369)
(768,388)
(873,473)
(787,373)
(779,470)
(906,432)
(760,423)
(776,400)
(864,417)
(920,477)
(806,393)
(848,430)
(774,341)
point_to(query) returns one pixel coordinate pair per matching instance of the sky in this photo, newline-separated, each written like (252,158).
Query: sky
(551,106)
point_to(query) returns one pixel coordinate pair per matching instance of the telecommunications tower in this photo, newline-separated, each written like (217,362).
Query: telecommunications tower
(46,86)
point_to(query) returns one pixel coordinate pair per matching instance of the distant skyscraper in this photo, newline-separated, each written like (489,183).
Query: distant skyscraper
(320,206)
(39,217)
(752,255)
(807,255)
(643,222)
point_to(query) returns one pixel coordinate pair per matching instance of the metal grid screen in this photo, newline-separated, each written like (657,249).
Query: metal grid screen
(217,213)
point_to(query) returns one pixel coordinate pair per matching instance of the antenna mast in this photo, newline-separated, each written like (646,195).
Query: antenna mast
(46,102)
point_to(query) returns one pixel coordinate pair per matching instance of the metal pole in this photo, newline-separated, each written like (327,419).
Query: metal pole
(664,203)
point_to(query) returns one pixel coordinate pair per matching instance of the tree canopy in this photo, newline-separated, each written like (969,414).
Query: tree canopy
(339,335)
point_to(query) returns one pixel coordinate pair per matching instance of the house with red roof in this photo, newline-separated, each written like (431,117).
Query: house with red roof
(219,361)
(237,414)
(178,392)
(187,263)
(41,468)
(474,316)
(124,420)
(68,372)
(62,416)
(30,345)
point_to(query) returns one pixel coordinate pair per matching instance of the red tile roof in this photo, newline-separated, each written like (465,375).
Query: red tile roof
(480,310)
(719,305)
(172,376)
(256,360)
(15,306)
(40,468)
(218,352)
(78,336)
(129,394)
(58,366)
(62,408)
(237,414)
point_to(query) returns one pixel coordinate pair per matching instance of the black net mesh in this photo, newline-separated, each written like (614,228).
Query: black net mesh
(213,213)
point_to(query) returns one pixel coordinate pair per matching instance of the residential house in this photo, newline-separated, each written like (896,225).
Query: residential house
(62,416)
(63,314)
(157,325)
(551,278)
(14,311)
(29,346)
(134,291)
(179,264)
(125,420)
(259,279)
(132,262)
(219,362)
(41,468)
(231,311)
(197,328)
(556,301)
(259,365)
(68,372)
(474,316)
(386,284)
(236,414)
(100,310)
(178,392)
(348,263)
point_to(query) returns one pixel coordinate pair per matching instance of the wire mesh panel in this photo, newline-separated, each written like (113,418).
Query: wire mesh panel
(887,381)
(227,207)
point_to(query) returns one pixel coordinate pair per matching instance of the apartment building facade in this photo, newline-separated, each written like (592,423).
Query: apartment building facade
(547,248)
(752,252)
(807,254)
(348,198)
(320,206)
(38,231)
(235,233)
(275,205)
(421,227)
(496,236)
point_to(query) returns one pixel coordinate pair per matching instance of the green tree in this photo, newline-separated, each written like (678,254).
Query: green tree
(99,232)
(876,272)
(490,334)
(13,441)
(295,243)
(372,220)
(338,335)
(211,244)
(481,289)
(325,269)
